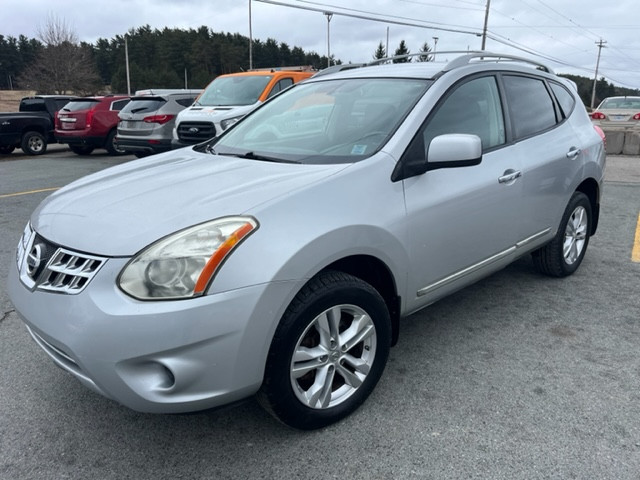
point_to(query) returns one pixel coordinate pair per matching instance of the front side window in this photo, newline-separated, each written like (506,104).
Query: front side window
(472,108)
(234,90)
(281,85)
(332,121)
(530,105)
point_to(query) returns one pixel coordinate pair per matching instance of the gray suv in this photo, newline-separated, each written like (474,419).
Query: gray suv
(146,123)
(279,258)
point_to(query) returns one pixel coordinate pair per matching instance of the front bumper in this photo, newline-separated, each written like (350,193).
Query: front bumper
(161,356)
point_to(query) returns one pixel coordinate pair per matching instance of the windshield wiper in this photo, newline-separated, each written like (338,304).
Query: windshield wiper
(254,156)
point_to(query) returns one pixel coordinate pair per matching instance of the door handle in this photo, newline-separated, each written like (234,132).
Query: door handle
(574,152)
(509,176)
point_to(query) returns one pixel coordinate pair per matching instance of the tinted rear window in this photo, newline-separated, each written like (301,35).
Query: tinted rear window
(143,105)
(32,105)
(76,105)
(530,105)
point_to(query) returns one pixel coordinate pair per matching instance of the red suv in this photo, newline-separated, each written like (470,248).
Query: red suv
(90,122)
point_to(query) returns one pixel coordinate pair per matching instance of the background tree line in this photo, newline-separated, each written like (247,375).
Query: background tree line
(56,62)
(157,59)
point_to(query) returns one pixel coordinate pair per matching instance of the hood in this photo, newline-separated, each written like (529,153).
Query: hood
(215,113)
(121,210)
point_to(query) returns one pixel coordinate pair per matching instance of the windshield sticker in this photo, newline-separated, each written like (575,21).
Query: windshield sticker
(358,149)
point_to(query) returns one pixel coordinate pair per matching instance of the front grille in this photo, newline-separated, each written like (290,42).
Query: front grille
(196,132)
(46,266)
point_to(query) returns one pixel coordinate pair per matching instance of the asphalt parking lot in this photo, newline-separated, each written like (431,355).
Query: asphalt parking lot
(517,377)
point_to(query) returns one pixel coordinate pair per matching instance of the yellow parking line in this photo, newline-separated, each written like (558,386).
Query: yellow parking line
(6,195)
(635,253)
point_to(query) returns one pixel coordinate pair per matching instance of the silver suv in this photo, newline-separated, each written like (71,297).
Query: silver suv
(147,121)
(279,258)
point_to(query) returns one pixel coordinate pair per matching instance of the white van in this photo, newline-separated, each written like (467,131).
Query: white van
(230,97)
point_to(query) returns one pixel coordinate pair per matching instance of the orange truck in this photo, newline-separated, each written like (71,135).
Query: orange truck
(230,97)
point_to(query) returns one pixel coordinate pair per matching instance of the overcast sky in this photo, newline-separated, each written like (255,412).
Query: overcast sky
(563,32)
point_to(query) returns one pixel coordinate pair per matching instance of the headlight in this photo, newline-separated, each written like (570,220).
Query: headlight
(183,264)
(229,122)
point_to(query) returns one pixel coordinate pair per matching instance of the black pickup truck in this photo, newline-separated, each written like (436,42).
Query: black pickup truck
(31,128)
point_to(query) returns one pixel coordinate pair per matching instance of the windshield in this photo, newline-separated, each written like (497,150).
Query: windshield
(234,90)
(331,121)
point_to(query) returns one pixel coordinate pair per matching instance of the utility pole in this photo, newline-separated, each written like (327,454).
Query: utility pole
(126,58)
(329,15)
(484,29)
(600,45)
(250,40)
(435,46)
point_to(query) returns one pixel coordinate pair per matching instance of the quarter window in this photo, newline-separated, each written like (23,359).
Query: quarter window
(565,99)
(119,104)
(530,105)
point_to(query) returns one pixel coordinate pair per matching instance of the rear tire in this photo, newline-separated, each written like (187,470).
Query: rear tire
(34,143)
(6,149)
(112,146)
(563,255)
(327,353)
(81,149)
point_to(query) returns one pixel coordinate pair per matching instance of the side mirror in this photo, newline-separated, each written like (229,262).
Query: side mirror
(454,150)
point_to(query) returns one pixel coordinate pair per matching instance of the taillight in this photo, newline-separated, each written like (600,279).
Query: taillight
(598,116)
(636,116)
(89,117)
(601,133)
(56,121)
(160,119)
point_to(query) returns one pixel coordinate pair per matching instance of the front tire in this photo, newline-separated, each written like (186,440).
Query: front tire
(6,149)
(563,255)
(328,352)
(34,143)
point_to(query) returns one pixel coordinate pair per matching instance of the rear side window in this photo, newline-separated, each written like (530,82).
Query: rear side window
(77,105)
(186,102)
(565,99)
(119,104)
(530,105)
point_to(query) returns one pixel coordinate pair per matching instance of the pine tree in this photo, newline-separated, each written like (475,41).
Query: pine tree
(380,52)
(402,50)
(424,54)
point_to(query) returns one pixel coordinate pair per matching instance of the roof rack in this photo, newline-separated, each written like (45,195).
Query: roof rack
(295,68)
(466,58)
(497,57)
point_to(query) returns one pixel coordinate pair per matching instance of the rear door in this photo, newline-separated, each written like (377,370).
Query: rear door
(463,221)
(549,152)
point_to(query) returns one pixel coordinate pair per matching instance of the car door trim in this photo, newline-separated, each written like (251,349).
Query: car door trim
(465,271)
(487,261)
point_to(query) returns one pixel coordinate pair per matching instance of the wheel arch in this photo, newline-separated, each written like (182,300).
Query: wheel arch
(375,272)
(591,189)
(33,128)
